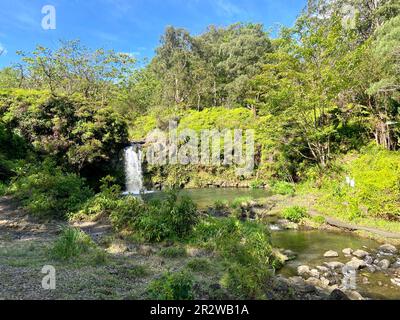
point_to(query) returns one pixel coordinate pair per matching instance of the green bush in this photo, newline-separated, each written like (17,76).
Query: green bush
(376,194)
(71,243)
(294,214)
(319,219)
(171,218)
(256,184)
(172,286)
(199,265)
(283,188)
(48,192)
(245,249)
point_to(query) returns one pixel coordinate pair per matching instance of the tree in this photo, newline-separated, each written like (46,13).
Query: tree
(73,68)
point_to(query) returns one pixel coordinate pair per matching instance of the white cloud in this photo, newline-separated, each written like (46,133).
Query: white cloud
(228,7)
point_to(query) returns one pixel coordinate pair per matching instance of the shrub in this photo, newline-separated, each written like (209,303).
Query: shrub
(283,188)
(173,252)
(238,202)
(71,243)
(256,184)
(319,219)
(219,205)
(245,249)
(199,265)
(167,219)
(294,214)
(172,286)
(48,192)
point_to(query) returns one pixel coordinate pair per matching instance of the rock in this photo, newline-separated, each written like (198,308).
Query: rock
(356,264)
(371,268)
(301,285)
(290,254)
(322,269)
(334,265)
(303,270)
(338,295)
(365,280)
(396,264)
(331,254)
(395,281)
(317,282)
(388,248)
(360,254)
(354,295)
(369,260)
(384,264)
(314,273)
(348,251)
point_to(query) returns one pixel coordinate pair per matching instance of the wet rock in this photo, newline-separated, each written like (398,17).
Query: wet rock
(347,251)
(317,282)
(301,285)
(365,280)
(369,260)
(356,264)
(322,269)
(303,270)
(314,273)
(396,264)
(354,295)
(334,265)
(395,281)
(338,295)
(388,248)
(384,264)
(289,254)
(360,254)
(331,254)
(371,268)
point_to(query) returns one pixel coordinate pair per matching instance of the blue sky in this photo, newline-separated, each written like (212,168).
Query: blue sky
(130,26)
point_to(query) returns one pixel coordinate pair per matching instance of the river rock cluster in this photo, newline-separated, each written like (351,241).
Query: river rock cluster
(335,276)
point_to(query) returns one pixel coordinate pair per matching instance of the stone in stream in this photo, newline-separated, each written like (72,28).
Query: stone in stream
(369,260)
(388,248)
(356,264)
(334,265)
(338,295)
(314,273)
(331,254)
(303,270)
(384,264)
(322,269)
(354,295)
(395,281)
(360,254)
(348,251)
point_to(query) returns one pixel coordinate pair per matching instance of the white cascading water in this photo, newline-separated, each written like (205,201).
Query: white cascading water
(133,170)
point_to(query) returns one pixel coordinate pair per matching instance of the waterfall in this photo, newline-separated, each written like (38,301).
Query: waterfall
(133,169)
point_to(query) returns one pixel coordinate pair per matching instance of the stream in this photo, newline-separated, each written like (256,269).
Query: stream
(310,246)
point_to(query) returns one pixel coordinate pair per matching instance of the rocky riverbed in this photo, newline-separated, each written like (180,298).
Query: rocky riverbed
(355,272)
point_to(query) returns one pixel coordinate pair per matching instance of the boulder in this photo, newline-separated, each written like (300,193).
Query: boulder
(384,264)
(388,248)
(360,254)
(331,254)
(338,295)
(322,269)
(395,281)
(303,270)
(334,265)
(314,273)
(354,295)
(356,264)
(348,251)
